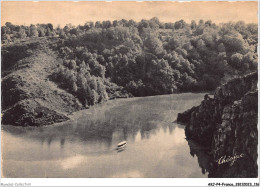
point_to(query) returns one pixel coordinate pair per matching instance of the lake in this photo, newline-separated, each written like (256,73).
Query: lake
(85,146)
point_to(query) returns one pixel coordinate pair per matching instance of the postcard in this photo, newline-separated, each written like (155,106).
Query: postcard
(118,90)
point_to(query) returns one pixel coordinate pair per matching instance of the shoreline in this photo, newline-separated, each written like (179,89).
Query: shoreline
(74,115)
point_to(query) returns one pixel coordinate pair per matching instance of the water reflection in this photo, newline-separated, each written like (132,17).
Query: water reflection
(204,159)
(85,146)
(90,133)
(120,150)
(101,126)
(62,142)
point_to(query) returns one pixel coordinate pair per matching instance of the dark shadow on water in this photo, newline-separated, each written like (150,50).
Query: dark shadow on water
(242,168)
(203,156)
(120,150)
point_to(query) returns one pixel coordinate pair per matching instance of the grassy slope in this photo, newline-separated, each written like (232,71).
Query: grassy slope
(28,96)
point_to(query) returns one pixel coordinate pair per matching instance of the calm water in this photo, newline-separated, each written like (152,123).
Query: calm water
(85,146)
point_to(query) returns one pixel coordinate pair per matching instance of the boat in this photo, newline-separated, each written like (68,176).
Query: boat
(121,145)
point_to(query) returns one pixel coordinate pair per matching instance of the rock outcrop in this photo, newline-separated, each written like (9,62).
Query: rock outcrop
(227,125)
(29,98)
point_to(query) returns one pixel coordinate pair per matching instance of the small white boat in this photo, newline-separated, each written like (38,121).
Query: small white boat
(121,145)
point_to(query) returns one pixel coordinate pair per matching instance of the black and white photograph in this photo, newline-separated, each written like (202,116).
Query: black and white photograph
(117,89)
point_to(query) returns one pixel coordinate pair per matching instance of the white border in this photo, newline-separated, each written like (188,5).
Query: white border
(125,181)
(134,181)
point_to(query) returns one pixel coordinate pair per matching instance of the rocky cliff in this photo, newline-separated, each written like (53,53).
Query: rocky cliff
(28,95)
(227,125)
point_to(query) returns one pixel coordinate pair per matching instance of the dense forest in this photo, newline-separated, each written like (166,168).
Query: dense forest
(143,58)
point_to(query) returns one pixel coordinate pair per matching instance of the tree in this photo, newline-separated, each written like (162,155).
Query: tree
(115,23)
(74,87)
(136,88)
(143,24)
(99,71)
(201,22)
(154,45)
(93,84)
(87,95)
(173,44)
(250,60)
(106,24)
(49,32)
(72,64)
(98,24)
(169,26)
(21,33)
(50,26)
(252,28)
(9,25)
(62,34)
(41,32)
(33,31)
(93,97)
(193,24)
(132,23)
(101,90)
(234,42)
(179,24)
(208,23)
(88,25)
(146,60)
(154,23)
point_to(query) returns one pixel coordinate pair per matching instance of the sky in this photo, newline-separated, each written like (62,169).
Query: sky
(76,13)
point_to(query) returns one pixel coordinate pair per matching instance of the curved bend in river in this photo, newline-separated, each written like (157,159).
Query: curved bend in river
(85,146)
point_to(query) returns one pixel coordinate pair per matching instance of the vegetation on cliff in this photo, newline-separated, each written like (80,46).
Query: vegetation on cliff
(67,69)
(147,57)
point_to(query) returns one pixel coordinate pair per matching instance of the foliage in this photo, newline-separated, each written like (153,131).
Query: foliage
(146,58)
